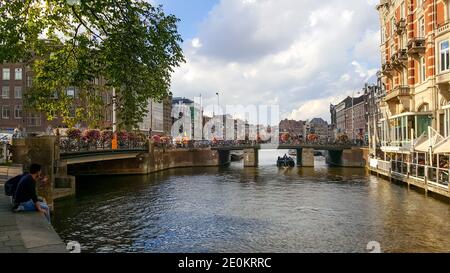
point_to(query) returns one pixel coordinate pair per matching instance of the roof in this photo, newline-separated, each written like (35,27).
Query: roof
(181,100)
(443,147)
(318,121)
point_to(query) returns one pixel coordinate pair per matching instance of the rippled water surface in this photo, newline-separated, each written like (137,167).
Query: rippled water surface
(260,209)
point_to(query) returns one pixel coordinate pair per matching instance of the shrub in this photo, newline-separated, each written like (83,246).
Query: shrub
(92,135)
(122,136)
(106,136)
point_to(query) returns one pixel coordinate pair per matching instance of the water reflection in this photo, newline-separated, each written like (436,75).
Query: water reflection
(264,209)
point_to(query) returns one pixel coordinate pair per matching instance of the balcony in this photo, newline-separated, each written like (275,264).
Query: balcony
(416,47)
(387,69)
(443,28)
(399,59)
(400,26)
(443,80)
(397,93)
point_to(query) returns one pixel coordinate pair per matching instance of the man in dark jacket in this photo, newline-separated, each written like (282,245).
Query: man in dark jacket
(26,198)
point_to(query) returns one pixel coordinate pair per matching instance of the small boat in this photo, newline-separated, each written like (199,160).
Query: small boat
(285,162)
(293,152)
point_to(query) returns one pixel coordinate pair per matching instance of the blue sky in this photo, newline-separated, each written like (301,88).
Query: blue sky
(191,13)
(299,54)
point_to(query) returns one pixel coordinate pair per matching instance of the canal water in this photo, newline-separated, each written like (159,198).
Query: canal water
(264,209)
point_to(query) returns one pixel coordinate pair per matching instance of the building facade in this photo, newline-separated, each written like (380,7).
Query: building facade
(15,81)
(374,96)
(350,117)
(319,127)
(186,107)
(415,47)
(293,127)
(153,122)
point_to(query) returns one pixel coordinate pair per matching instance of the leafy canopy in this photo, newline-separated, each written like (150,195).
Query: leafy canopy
(130,44)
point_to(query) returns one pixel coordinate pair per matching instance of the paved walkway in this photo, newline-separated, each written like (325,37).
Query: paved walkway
(26,232)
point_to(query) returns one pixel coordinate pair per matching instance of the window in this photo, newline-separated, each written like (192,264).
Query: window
(392,50)
(18,111)
(18,92)
(6,74)
(422,69)
(382,35)
(34,119)
(392,27)
(444,56)
(18,74)
(422,27)
(29,81)
(5,92)
(5,112)
(72,111)
(71,92)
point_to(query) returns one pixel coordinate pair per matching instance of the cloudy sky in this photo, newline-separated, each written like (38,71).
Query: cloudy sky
(299,54)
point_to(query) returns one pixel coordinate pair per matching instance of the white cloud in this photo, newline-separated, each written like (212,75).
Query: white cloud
(300,54)
(196,43)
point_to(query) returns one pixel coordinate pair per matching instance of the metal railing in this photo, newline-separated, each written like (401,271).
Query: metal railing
(384,165)
(438,176)
(399,167)
(430,174)
(68,145)
(417,170)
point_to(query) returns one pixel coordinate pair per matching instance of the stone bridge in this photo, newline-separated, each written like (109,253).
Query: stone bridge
(341,155)
(61,168)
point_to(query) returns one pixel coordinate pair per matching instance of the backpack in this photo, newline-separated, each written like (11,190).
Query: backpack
(12,183)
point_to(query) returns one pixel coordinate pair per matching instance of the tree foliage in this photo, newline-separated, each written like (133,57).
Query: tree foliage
(131,44)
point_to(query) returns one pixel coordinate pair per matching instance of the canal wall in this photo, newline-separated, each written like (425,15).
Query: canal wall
(61,175)
(156,160)
(348,158)
(26,232)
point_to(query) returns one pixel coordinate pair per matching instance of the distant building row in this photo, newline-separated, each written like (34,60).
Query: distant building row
(359,117)
(301,129)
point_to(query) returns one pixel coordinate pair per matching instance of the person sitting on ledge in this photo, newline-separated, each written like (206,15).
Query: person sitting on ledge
(25,198)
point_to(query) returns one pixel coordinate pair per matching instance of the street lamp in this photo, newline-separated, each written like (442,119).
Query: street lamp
(353,115)
(218,102)
(114,119)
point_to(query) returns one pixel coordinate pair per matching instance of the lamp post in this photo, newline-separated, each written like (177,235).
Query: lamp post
(353,115)
(114,111)
(218,102)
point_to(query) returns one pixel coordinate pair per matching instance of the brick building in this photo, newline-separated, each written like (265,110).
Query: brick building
(293,127)
(415,49)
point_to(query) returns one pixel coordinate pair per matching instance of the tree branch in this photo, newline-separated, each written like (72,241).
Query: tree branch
(84,24)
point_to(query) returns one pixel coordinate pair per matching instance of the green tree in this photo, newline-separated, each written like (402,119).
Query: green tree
(131,44)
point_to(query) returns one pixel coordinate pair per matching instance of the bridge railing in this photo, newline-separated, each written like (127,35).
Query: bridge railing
(68,145)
